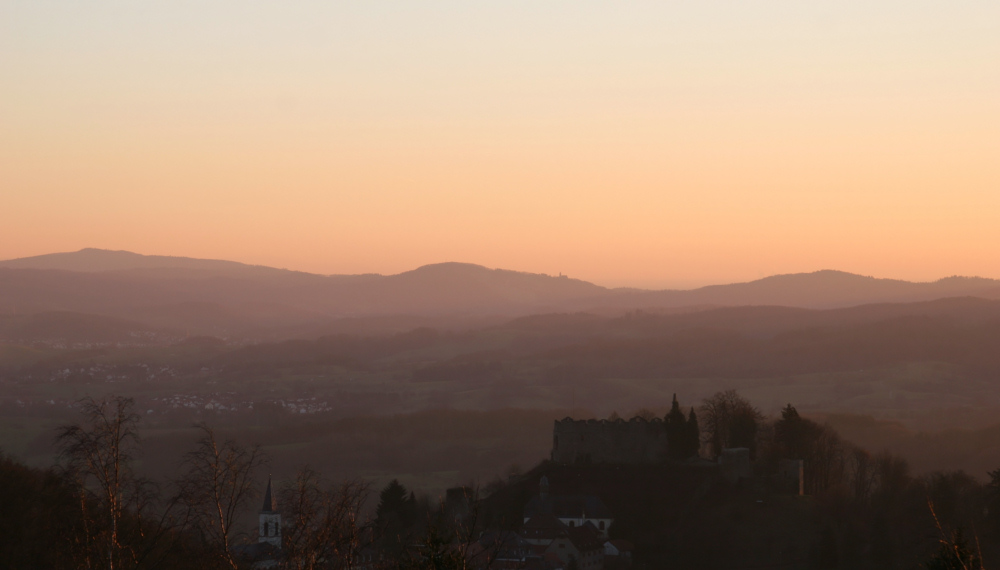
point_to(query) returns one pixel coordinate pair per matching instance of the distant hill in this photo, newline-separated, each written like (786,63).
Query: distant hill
(821,289)
(91,260)
(225,298)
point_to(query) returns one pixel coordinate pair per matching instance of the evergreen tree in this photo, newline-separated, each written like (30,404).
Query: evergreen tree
(955,554)
(692,435)
(396,511)
(676,432)
(436,551)
(795,435)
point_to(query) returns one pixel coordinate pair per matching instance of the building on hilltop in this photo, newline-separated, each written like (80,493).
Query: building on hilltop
(570,510)
(551,538)
(582,545)
(609,441)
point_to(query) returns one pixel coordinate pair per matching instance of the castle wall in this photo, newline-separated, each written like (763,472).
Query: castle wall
(602,441)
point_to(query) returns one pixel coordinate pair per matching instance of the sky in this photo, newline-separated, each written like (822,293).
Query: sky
(651,144)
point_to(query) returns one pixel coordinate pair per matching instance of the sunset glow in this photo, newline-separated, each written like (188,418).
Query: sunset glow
(650,144)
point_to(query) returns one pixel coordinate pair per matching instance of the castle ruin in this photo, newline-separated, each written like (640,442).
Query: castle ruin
(609,441)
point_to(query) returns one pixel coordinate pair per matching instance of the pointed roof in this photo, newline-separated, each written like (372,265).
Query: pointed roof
(568,507)
(268,499)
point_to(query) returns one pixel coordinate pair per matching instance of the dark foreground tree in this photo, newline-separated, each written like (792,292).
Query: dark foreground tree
(41,512)
(956,553)
(218,485)
(119,526)
(457,540)
(323,526)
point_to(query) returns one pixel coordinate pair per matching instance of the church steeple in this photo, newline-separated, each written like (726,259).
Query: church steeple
(268,499)
(270,519)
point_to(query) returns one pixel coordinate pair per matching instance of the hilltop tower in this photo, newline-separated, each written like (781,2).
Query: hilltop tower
(270,520)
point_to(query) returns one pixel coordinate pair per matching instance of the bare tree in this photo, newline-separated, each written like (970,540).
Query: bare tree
(730,420)
(893,476)
(323,526)
(862,473)
(120,525)
(217,486)
(458,542)
(824,462)
(645,414)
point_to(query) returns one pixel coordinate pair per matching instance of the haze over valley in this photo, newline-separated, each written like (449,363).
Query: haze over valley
(193,339)
(184,296)
(499,285)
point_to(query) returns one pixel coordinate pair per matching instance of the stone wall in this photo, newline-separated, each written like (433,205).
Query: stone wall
(602,441)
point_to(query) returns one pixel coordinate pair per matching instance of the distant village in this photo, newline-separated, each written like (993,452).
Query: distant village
(561,530)
(715,486)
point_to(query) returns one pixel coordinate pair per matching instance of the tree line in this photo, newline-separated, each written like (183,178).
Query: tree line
(94,511)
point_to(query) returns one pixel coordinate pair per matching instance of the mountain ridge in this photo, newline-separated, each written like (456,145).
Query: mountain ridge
(93,260)
(161,291)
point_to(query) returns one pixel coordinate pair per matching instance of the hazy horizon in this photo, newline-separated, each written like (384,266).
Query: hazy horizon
(677,284)
(647,145)
(536,285)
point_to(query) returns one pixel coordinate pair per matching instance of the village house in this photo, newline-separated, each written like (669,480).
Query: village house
(571,510)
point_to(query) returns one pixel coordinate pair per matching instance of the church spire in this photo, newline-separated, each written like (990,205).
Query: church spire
(270,519)
(268,498)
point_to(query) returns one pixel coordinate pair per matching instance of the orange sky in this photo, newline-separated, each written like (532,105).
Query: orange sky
(647,145)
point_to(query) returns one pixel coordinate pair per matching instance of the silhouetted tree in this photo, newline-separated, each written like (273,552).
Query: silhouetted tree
(992,499)
(731,421)
(676,429)
(795,435)
(644,414)
(395,514)
(437,551)
(119,528)
(692,435)
(955,553)
(323,526)
(217,487)
(41,518)
(456,543)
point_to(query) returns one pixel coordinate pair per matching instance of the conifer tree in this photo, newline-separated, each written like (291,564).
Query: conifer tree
(956,553)
(396,503)
(692,435)
(395,514)
(676,432)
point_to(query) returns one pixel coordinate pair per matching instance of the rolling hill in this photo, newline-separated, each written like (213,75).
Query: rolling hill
(226,298)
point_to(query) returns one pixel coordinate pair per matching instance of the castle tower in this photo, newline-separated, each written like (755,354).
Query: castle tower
(270,520)
(543,488)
